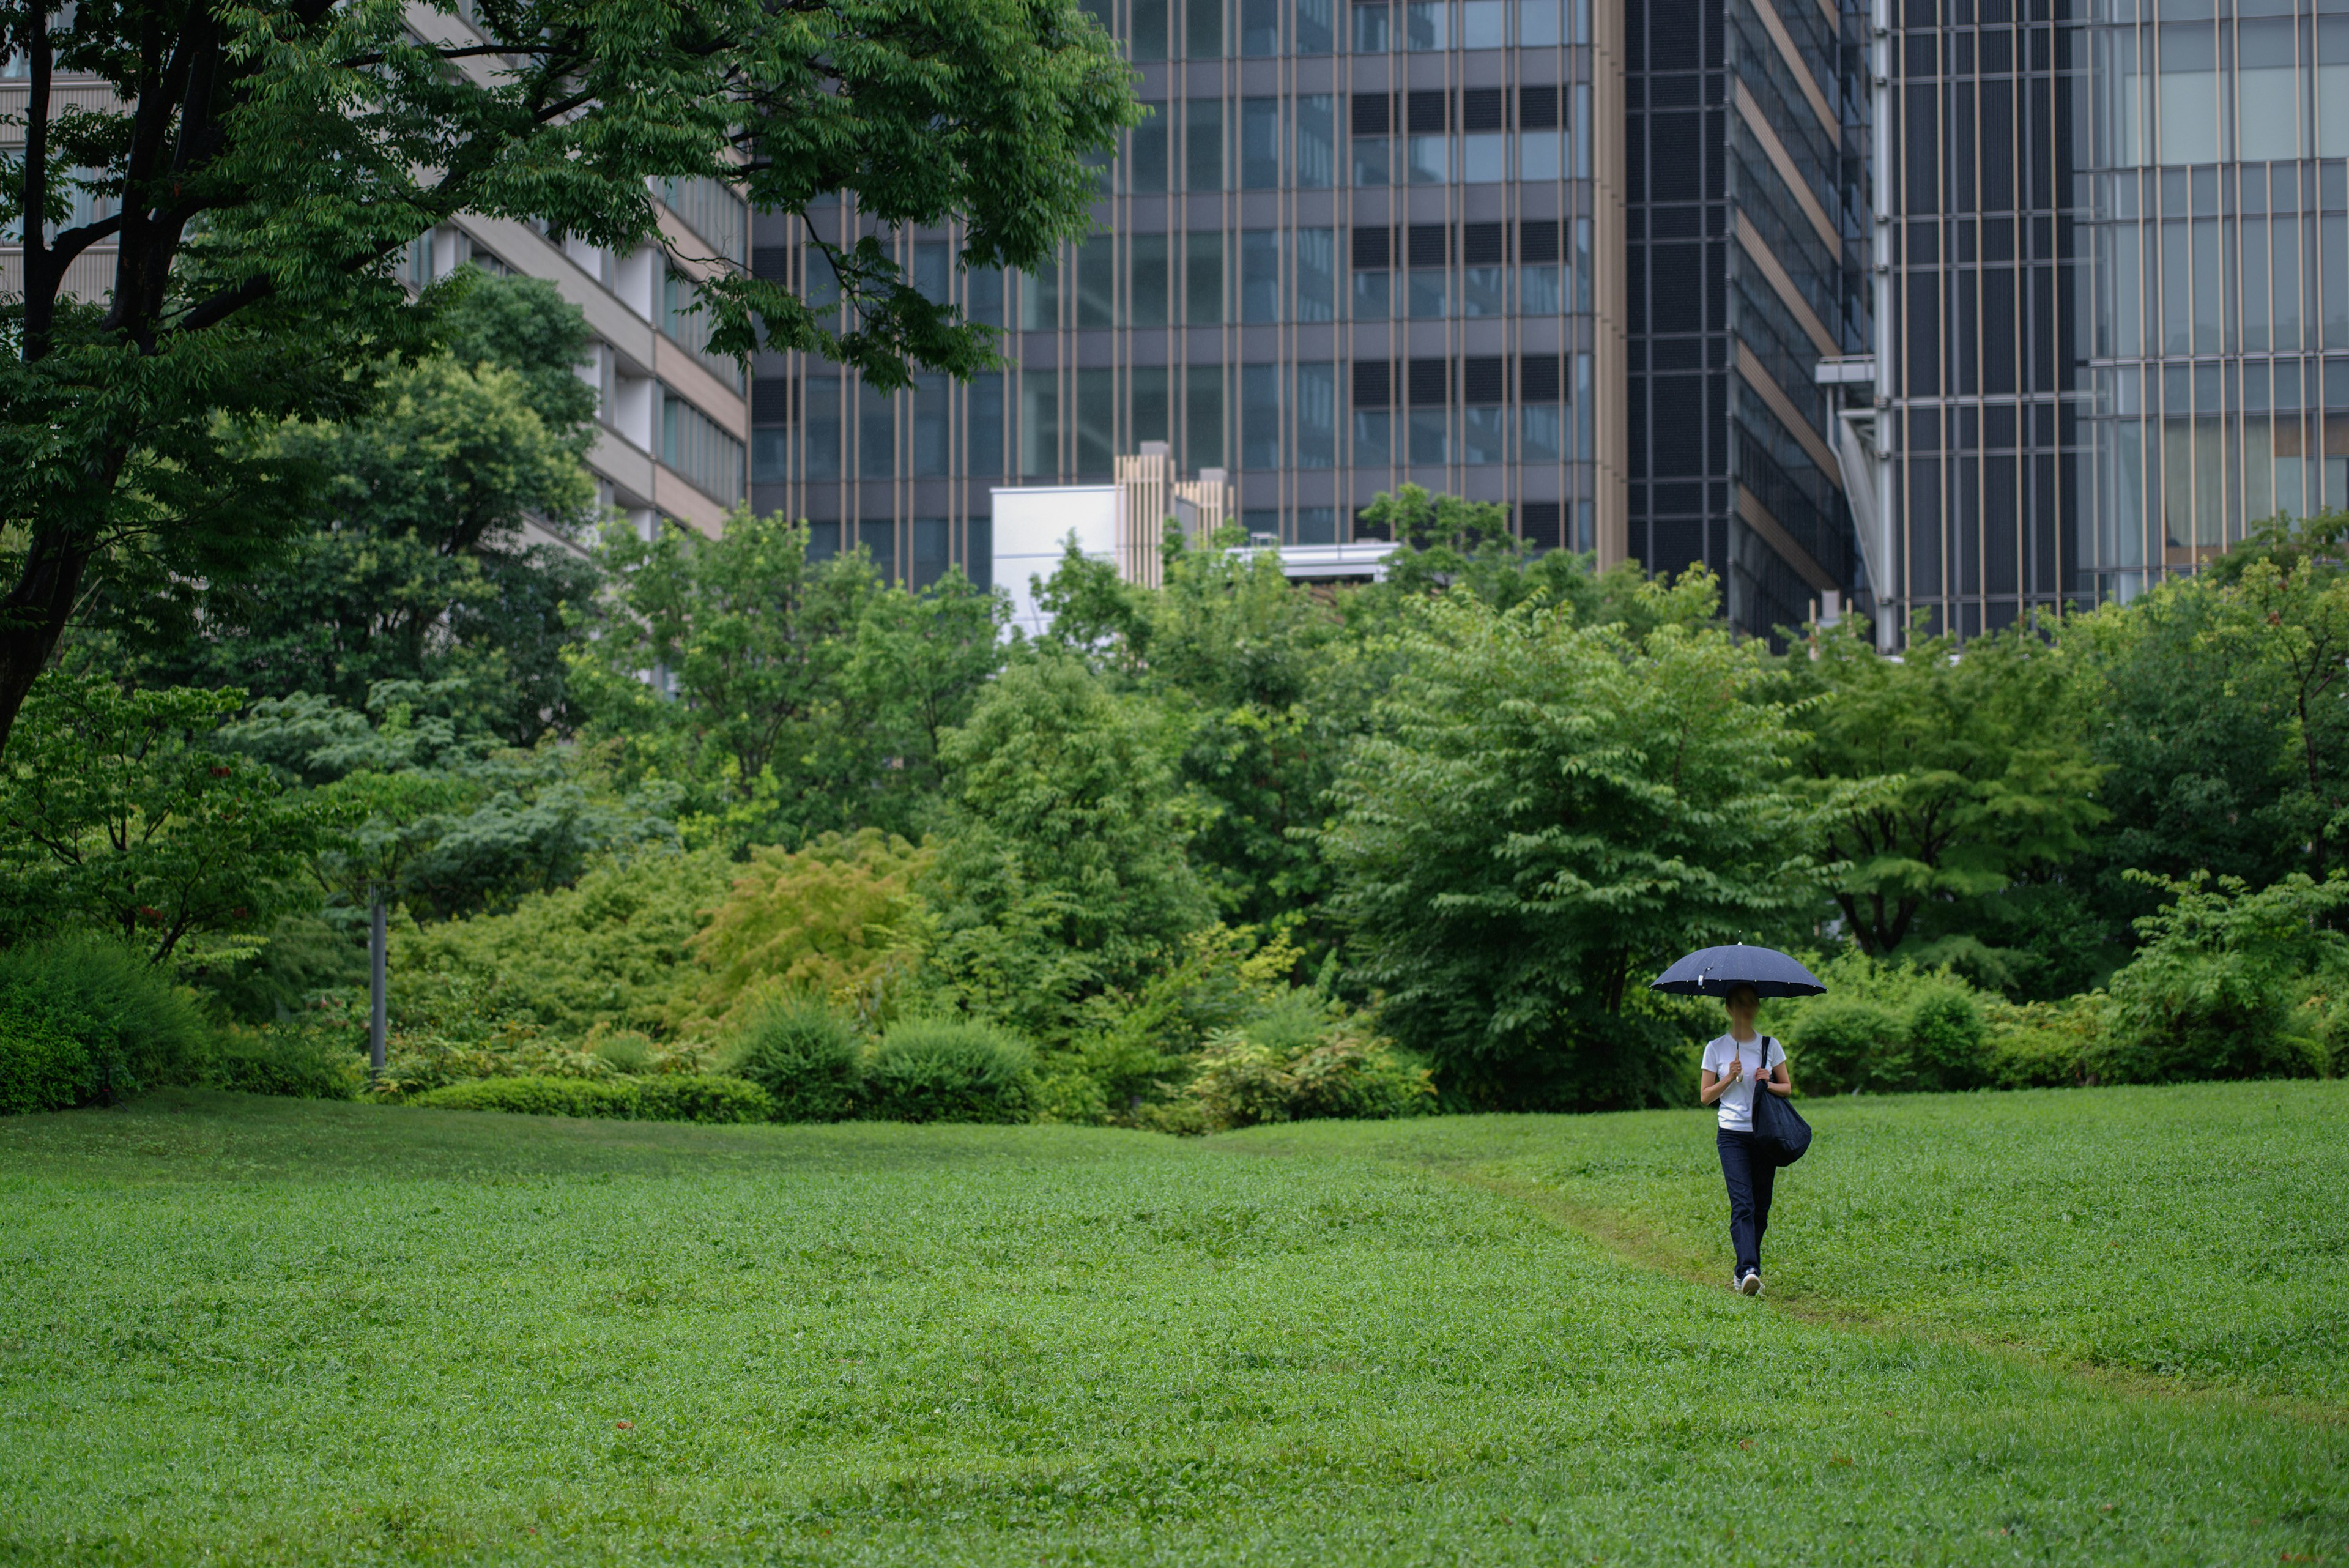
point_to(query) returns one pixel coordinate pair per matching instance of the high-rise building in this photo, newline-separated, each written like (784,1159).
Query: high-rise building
(2118,236)
(1350,247)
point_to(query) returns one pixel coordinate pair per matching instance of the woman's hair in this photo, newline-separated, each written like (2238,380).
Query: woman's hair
(1729,998)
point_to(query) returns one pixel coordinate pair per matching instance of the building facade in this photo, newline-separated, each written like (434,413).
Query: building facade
(2119,238)
(1351,247)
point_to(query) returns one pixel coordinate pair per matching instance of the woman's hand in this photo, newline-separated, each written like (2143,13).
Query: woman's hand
(1736,1070)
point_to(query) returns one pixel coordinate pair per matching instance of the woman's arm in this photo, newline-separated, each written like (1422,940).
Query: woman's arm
(1777,1082)
(1710,1083)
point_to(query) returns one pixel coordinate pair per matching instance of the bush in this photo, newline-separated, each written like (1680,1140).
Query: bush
(1841,1046)
(84,1019)
(298,1062)
(1343,1072)
(669,1098)
(701,1098)
(536,1095)
(2044,1044)
(1948,1044)
(2212,992)
(806,1056)
(942,1070)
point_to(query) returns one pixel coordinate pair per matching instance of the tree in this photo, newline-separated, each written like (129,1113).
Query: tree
(120,810)
(2195,745)
(2283,614)
(1060,872)
(267,164)
(413,564)
(1546,810)
(1985,762)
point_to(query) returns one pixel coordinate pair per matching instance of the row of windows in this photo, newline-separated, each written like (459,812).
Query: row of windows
(1208,278)
(700,448)
(1211,30)
(2211,285)
(2184,455)
(1272,143)
(1287,416)
(2196,92)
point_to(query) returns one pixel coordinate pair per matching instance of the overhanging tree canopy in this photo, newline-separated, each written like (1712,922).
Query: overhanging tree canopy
(266,162)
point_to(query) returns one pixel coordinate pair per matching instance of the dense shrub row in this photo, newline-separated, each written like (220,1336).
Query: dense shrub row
(673,1097)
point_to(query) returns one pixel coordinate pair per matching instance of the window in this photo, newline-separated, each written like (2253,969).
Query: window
(1373,247)
(1153,414)
(1315,33)
(1429,384)
(1260,275)
(930,427)
(1039,298)
(1203,35)
(1147,276)
(2267,89)
(986,292)
(1483,141)
(1259,26)
(1371,120)
(1316,419)
(983,416)
(1373,385)
(1538,23)
(1203,415)
(932,550)
(1097,281)
(1372,26)
(1149,29)
(1203,279)
(1316,275)
(934,270)
(1096,422)
(1203,144)
(1261,418)
(698,447)
(2332,86)
(878,537)
(1260,144)
(823,422)
(1541,147)
(1427,24)
(688,325)
(1317,524)
(2186,113)
(1040,424)
(1541,413)
(1484,24)
(713,212)
(876,433)
(1145,156)
(1314,165)
(1485,413)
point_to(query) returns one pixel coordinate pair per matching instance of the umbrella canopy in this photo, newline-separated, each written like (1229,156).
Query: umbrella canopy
(1711,971)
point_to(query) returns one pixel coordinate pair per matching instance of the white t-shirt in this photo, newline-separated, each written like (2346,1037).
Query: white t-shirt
(1736,1101)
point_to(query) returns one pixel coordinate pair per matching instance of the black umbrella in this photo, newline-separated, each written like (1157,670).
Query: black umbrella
(1711,971)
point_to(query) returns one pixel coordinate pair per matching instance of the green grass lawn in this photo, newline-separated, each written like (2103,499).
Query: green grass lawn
(255,1331)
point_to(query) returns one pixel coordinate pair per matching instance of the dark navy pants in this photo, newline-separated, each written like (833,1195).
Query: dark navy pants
(1750,1178)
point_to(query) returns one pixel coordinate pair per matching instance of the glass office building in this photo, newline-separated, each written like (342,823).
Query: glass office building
(1350,247)
(2120,248)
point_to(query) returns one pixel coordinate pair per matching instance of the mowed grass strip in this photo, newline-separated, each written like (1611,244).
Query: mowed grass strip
(2197,1233)
(257,1331)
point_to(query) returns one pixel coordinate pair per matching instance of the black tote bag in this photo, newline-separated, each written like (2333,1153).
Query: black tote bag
(1780,1133)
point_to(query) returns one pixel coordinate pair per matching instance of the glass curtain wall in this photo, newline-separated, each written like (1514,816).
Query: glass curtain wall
(2217,260)
(1350,246)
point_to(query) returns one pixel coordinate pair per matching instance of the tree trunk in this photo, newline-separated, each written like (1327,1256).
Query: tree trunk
(34,614)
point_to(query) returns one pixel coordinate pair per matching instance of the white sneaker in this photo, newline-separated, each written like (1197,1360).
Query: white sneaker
(1751,1285)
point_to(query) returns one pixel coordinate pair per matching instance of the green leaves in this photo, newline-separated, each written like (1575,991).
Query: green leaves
(122,812)
(1983,762)
(1547,808)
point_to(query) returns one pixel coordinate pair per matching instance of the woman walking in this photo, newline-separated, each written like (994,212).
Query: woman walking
(1729,1082)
